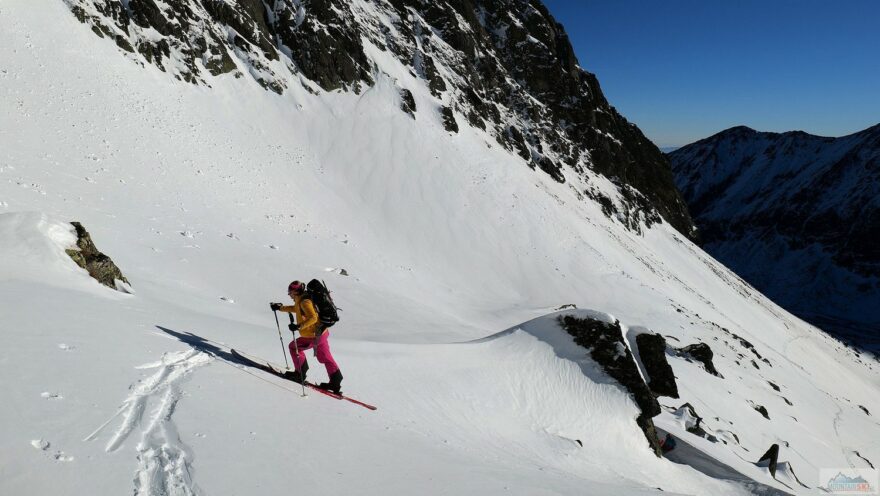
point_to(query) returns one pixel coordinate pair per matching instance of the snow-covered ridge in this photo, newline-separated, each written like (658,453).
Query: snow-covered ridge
(797,216)
(505,67)
(212,201)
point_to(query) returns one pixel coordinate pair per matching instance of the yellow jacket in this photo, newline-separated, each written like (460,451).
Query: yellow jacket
(306,315)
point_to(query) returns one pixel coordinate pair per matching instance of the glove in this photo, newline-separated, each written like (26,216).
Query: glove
(275,306)
(293,327)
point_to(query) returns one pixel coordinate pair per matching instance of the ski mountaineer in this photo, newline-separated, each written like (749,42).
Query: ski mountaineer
(312,335)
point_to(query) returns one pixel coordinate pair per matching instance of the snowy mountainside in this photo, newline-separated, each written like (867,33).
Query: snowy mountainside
(503,66)
(212,199)
(795,215)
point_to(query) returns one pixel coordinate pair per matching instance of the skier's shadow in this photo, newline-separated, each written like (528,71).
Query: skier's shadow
(204,345)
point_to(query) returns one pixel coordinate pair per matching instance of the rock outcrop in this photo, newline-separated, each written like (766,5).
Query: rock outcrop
(702,353)
(606,346)
(661,378)
(98,265)
(770,459)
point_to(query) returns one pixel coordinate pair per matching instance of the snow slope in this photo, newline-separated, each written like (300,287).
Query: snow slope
(212,199)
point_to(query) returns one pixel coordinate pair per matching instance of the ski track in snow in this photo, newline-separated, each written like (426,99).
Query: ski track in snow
(163,459)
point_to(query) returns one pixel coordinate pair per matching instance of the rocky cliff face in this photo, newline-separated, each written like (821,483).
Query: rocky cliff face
(796,215)
(502,66)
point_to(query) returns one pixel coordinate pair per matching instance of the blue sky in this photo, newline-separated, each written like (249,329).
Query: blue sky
(684,69)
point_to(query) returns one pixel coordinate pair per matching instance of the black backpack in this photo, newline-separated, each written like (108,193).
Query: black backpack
(320,296)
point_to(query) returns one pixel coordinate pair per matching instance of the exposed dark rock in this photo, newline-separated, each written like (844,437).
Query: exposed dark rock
(436,83)
(247,19)
(606,346)
(742,341)
(652,351)
(98,265)
(552,169)
(771,458)
(762,410)
(863,458)
(789,403)
(407,102)
(606,203)
(701,353)
(327,44)
(774,386)
(518,143)
(448,119)
(865,410)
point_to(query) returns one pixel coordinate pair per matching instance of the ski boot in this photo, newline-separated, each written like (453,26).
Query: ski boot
(298,376)
(335,384)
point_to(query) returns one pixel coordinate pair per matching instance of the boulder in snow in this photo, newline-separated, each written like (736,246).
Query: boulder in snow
(98,265)
(770,458)
(701,353)
(762,410)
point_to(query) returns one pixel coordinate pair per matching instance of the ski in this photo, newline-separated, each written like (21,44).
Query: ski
(266,366)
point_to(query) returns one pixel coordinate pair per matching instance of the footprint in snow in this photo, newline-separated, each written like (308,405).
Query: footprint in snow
(51,396)
(66,347)
(227,300)
(273,247)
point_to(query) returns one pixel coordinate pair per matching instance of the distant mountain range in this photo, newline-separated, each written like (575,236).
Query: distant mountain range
(797,216)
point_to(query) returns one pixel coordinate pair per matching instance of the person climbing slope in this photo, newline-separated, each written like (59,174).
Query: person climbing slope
(312,335)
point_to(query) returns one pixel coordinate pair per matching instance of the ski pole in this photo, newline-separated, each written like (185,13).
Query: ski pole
(280,338)
(296,349)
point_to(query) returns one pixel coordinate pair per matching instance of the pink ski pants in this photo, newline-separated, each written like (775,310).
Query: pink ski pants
(322,352)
